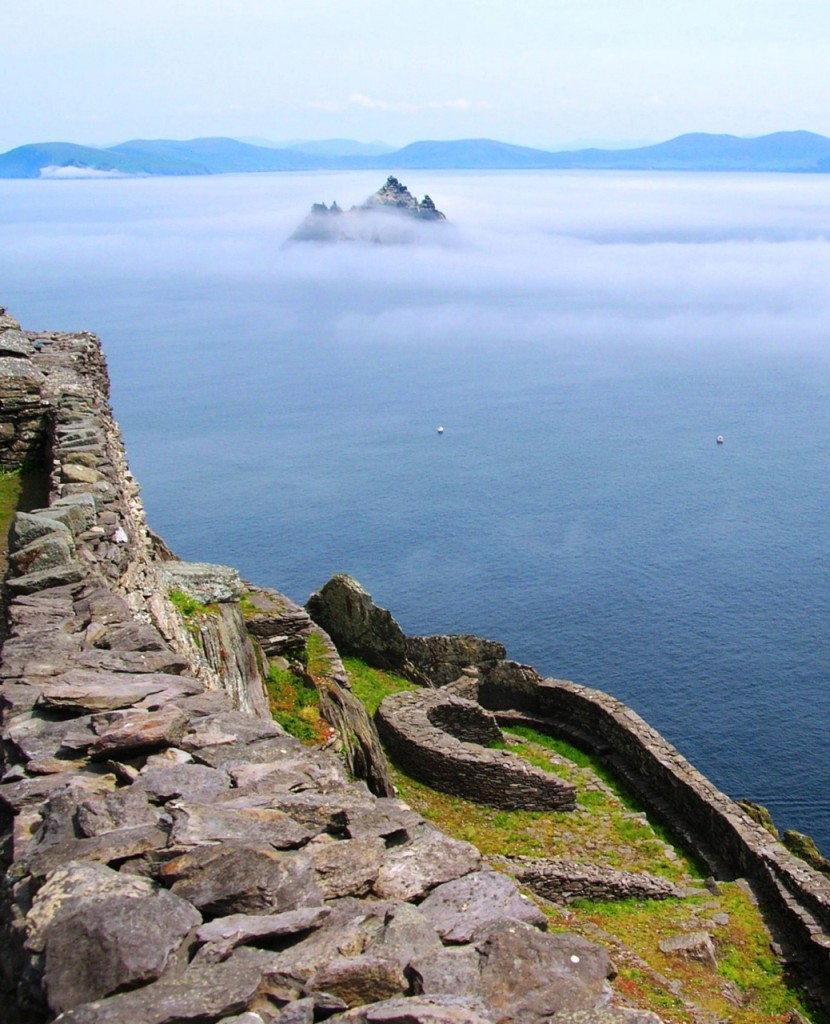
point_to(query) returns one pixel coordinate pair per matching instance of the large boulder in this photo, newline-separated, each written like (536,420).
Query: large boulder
(357,625)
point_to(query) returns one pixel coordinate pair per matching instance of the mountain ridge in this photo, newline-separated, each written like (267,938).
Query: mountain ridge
(787,151)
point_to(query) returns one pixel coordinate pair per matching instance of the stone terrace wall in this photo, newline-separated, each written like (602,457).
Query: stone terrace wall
(710,824)
(167,858)
(436,737)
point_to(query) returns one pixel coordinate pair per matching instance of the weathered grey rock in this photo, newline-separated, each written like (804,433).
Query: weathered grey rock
(428,859)
(348,867)
(226,933)
(204,992)
(301,1011)
(130,732)
(46,579)
(356,625)
(77,511)
(27,527)
(52,551)
(29,792)
(130,636)
(76,473)
(110,933)
(460,910)
(146,662)
(349,930)
(406,935)
(449,972)
(195,783)
(205,583)
(527,976)
(359,980)
(14,343)
(698,946)
(389,818)
(107,848)
(280,626)
(227,727)
(102,691)
(127,807)
(442,659)
(298,772)
(199,825)
(233,879)
(37,737)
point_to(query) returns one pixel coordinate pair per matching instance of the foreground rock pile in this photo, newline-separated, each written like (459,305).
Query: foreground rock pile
(169,858)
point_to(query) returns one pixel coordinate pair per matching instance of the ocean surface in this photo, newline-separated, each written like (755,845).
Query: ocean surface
(582,338)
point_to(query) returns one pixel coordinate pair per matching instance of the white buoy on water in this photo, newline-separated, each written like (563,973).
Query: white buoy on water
(440,430)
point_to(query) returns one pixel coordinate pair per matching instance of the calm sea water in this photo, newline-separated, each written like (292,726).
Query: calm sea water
(582,338)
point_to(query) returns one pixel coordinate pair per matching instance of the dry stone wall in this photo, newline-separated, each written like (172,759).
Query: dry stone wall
(442,740)
(795,897)
(169,858)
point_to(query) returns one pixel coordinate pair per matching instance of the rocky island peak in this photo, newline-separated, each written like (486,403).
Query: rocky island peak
(332,223)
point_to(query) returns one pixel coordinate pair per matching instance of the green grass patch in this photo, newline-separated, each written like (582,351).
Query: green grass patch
(188,606)
(371,685)
(295,705)
(11,489)
(317,656)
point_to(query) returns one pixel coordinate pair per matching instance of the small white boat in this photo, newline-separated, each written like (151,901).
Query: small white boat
(719,439)
(440,430)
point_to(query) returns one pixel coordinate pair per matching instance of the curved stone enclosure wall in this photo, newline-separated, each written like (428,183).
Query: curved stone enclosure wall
(708,822)
(437,738)
(168,858)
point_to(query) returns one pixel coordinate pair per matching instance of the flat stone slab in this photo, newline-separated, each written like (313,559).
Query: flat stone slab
(204,992)
(206,583)
(110,691)
(226,933)
(461,909)
(128,732)
(230,879)
(199,825)
(430,858)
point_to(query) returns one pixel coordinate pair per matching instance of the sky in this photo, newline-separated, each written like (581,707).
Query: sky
(540,73)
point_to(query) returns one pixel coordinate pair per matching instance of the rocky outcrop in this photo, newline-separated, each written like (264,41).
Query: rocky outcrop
(169,858)
(282,628)
(394,204)
(360,627)
(441,740)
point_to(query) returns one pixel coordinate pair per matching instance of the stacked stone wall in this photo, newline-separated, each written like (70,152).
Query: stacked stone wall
(713,826)
(436,738)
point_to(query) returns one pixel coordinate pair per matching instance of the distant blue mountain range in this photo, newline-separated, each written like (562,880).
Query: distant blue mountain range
(782,151)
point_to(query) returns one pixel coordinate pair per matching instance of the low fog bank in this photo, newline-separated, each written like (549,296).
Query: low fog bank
(547,258)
